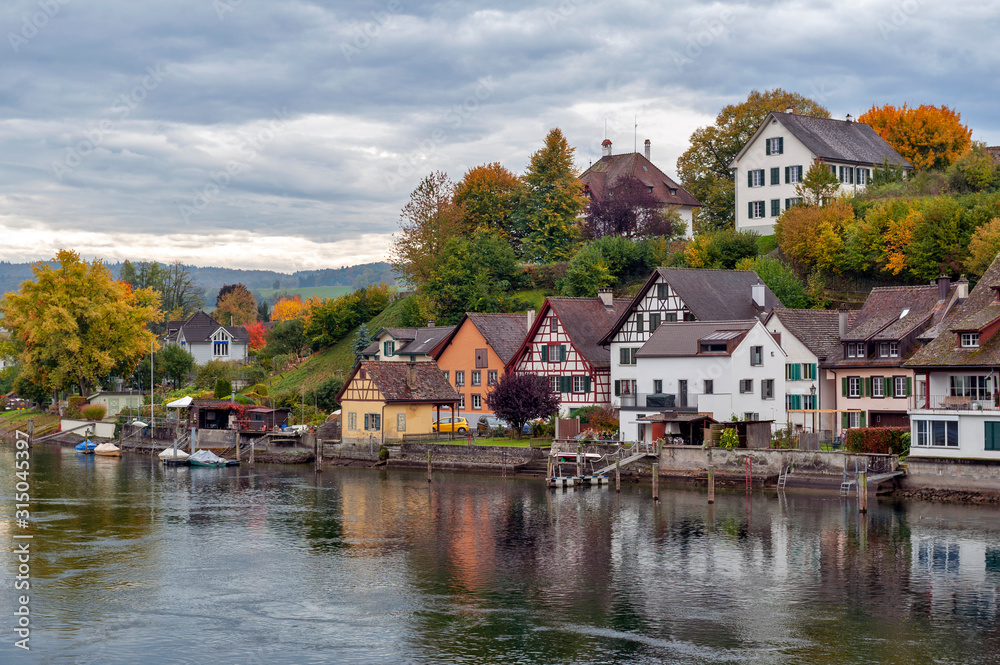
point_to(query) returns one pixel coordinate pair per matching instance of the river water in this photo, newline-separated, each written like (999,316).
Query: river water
(134,563)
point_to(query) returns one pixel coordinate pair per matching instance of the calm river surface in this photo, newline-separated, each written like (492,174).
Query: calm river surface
(134,563)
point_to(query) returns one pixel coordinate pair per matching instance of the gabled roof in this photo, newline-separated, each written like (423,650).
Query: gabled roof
(673,340)
(390,378)
(817,329)
(893,312)
(200,327)
(603,174)
(584,320)
(834,140)
(418,341)
(504,333)
(711,295)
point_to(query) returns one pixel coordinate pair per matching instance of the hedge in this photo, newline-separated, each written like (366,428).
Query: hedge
(882,440)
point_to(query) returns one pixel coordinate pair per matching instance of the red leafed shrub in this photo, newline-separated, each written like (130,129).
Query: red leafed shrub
(883,440)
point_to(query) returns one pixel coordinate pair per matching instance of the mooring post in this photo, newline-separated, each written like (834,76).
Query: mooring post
(863,492)
(579,460)
(548,472)
(319,453)
(253,442)
(656,481)
(31,431)
(711,484)
(428,466)
(618,476)
(237,434)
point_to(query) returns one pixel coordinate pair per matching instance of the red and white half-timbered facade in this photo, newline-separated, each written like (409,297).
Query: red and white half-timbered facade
(561,345)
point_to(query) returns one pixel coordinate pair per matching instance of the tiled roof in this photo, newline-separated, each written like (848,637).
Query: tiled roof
(840,140)
(603,174)
(882,316)
(200,327)
(817,329)
(503,332)
(681,339)
(390,378)
(586,320)
(419,341)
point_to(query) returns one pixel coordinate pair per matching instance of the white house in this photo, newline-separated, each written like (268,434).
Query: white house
(207,340)
(777,156)
(406,344)
(672,295)
(722,368)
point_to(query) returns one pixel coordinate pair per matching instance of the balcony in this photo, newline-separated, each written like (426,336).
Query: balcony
(957,403)
(660,401)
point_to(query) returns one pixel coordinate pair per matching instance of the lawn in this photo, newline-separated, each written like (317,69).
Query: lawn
(11,421)
(306,292)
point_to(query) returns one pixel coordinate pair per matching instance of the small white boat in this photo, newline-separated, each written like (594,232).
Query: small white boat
(108,450)
(173,455)
(208,458)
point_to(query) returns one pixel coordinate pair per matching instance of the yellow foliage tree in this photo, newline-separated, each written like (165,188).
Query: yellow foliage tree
(488,196)
(74,323)
(812,236)
(287,309)
(984,247)
(236,306)
(928,136)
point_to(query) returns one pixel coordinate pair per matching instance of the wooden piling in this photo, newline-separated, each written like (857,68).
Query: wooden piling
(711,484)
(237,446)
(429,477)
(31,431)
(618,476)
(579,461)
(319,454)
(656,481)
(253,442)
(548,472)
(863,492)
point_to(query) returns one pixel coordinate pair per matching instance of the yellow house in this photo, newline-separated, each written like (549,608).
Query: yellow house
(386,400)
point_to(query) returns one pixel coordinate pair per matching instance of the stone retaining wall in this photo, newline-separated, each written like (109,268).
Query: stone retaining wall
(952,474)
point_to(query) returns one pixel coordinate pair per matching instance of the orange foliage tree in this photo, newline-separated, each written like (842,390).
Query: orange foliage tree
(287,309)
(257,333)
(928,136)
(489,195)
(812,236)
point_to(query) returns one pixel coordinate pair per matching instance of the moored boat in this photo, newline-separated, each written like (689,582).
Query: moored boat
(173,456)
(86,447)
(208,458)
(108,450)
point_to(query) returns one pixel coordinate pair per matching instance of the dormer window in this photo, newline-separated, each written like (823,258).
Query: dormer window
(970,340)
(888,350)
(220,344)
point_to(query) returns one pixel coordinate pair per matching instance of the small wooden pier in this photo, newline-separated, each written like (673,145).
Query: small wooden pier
(573,469)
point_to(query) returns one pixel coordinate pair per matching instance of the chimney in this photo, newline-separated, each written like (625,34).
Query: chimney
(430,323)
(606,298)
(646,145)
(531,318)
(849,118)
(757,291)
(606,148)
(411,376)
(962,286)
(842,320)
(944,285)
(788,110)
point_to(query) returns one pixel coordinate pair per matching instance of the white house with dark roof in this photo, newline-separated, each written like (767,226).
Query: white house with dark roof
(604,173)
(207,340)
(406,344)
(777,156)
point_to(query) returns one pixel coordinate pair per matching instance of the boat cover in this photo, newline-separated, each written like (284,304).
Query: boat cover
(106,448)
(206,457)
(169,454)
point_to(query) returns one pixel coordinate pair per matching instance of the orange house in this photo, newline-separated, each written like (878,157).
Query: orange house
(473,356)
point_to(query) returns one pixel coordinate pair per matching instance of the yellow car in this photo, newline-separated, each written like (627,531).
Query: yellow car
(459,424)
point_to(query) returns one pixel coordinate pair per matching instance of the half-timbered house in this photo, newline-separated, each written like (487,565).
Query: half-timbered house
(562,345)
(676,295)
(384,401)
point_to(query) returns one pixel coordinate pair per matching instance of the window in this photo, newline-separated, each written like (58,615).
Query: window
(220,348)
(855,349)
(756,355)
(775,176)
(809,371)
(477,377)
(751,415)
(793,371)
(969,386)
(554,384)
(352,421)
(992,441)
(709,387)
(626,356)
(459,377)
(554,353)
(793,174)
(853,419)
(863,176)
(662,291)
(654,322)
(657,386)
(461,400)
(755,209)
(373,422)
(942,433)
(774,146)
(447,378)
(581,384)
(671,317)
(883,350)
(854,386)
(388,348)
(809,401)
(553,324)
(878,386)
(746,385)
(755,178)
(640,323)
(970,340)
(901,386)
(716,347)
(624,387)
(792,202)
(775,207)
(846,175)
(491,377)
(400,422)
(893,349)
(477,401)
(767,389)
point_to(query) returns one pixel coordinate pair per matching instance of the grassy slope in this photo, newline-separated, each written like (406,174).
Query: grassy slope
(306,292)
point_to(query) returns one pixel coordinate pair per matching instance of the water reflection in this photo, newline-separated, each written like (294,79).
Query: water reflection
(134,562)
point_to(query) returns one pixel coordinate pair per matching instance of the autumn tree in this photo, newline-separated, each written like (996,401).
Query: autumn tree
(257,333)
(75,323)
(818,184)
(704,167)
(426,223)
(288,308)
(518,398)
(780,278)
(333,319)
(180,297)
(813,236)
(929,137)
(984,246)
(720,249)
(235,306)
(552,202)
(489,196)
(628,209)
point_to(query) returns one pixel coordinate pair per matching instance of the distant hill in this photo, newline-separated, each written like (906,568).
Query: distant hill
(262,281)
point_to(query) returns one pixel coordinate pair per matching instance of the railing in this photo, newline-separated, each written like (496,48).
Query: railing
(957,403)
(649,400)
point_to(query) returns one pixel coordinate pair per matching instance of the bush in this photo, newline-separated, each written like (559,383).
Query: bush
(223,388)
(94,412)
(210,372)
(326,394)
(74,404)
(383,454)
(730,439)
(879,440)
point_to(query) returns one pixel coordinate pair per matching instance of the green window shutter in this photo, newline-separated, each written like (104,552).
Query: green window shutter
(788,174)
(775,176)
(565,384)
(545,353)
(788,204)
(586,384)
(887,390)
(749,209)
(988,436)
(767,146)
(796,401)
(861,419)
(562,353)
(850,175)
(618,388)
(775,207)
(909,386)
(796,372)
(749,177)
(815,371)
(781,145)
(843,387)
(845,420)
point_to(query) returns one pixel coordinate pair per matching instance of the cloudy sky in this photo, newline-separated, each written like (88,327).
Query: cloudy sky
(287,134)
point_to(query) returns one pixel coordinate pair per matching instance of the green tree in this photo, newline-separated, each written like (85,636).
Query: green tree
(984,247)
(223,388)
(177,363)
(74,323)
(489,196)
(818,185)
(332,320)
(780,278)
(180,297)
(362,339)
(586,274)
(553,201)
(704,167)
(287,337)
(426,223)
(326,394)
